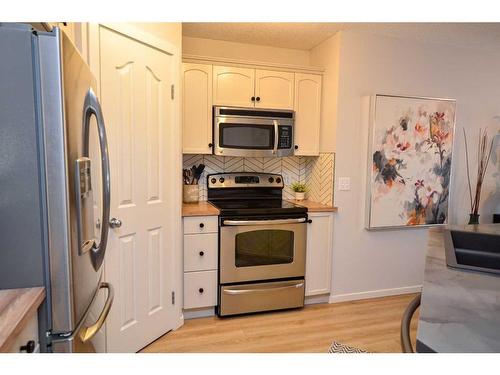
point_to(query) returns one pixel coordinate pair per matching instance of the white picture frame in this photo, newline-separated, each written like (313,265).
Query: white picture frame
(410,150)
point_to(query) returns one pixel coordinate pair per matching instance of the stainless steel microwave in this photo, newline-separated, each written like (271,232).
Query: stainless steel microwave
(253,132)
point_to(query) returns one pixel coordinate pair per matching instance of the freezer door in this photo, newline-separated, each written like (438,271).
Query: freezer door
(76,147)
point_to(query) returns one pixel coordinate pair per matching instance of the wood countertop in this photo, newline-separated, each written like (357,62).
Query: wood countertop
(201,208)
(17,306)
(313,206)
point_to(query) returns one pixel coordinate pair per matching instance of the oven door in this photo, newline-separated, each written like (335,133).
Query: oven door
(252,250)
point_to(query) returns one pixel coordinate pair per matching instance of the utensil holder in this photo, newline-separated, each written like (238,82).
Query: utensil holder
(190,193)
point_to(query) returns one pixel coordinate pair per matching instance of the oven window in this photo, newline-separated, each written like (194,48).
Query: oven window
(259,137)
(264,247)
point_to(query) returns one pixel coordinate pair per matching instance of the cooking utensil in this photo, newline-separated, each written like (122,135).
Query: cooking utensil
(192,176)
(197,174)
(186,175)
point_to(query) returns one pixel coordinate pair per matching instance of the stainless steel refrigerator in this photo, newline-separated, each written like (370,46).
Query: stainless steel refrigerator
(51,232)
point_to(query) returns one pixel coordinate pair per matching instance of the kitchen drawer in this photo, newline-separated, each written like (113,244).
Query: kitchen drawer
(200,289)
(201,224)
(29,333)
(200,252)
(246,298)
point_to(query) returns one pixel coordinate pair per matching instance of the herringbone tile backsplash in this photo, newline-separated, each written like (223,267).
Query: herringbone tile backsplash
(317,172)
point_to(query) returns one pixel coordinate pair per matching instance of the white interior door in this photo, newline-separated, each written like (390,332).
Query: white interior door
(135,95)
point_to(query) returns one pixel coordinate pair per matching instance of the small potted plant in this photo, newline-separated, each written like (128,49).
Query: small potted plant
(300,190)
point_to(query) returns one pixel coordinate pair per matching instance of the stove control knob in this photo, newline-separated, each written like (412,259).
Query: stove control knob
(213,180)
(278,180)
(222,179)
(271,180)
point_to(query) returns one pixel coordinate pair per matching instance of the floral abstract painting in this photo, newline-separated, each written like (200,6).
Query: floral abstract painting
(410,154)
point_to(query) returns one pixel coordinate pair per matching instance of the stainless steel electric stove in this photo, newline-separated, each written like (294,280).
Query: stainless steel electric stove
(262,248)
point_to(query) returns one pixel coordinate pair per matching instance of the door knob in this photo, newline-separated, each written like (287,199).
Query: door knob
(115,223)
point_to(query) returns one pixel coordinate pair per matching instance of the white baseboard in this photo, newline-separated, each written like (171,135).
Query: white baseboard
(198,313)
(334,298)
(322,298)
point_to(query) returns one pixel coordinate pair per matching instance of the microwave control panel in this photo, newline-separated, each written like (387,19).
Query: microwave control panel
(285,137)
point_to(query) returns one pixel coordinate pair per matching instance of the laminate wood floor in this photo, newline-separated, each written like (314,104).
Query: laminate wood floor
(372,325)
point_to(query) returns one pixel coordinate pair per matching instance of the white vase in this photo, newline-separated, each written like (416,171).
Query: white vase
(299,196)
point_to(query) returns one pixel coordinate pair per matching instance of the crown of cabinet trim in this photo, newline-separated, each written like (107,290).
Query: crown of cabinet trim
(188,58)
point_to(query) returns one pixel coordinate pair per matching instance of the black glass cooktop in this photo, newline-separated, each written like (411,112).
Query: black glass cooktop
(257,207)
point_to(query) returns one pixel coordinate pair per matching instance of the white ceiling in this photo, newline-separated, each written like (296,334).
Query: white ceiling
(305,36)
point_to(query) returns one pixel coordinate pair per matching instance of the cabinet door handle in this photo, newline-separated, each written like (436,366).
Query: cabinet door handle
(252,98)
(201,290)
(309,221)
(257,98)
(202,253)
(202,225)
(296,147)
(210,145)
(28,348)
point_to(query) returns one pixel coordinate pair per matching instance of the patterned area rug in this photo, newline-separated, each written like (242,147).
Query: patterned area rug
(338,347)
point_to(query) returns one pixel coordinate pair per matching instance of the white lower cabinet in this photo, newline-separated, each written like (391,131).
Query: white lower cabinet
(201,224)
(27,340)
(319,253)
(201,258)
(200,289)
(201,242)
(200,252)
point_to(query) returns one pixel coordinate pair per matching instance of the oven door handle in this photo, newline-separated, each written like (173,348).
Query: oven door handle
(276,136)
(263,222)
(263,290)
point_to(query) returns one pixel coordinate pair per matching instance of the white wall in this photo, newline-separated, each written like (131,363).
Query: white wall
(244,51)
(327,56)
(168,31)
(365,262)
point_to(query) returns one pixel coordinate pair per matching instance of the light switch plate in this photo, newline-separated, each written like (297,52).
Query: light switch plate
(344,183)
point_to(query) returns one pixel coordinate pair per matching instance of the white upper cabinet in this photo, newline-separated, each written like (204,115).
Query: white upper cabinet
(307,113)
(197,109)
(274,89)
(206,85)
(233,86)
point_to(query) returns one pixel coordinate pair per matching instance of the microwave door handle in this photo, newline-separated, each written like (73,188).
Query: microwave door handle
(276,136)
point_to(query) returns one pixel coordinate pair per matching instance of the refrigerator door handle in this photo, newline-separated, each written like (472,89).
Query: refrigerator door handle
(87,333)
(92,107)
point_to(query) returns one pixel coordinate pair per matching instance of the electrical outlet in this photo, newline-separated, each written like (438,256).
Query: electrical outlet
(286,179)
(344,183)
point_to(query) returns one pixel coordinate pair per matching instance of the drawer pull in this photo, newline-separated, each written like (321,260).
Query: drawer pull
(263,290)
(200,290)
(202,253)
(28,348)
(202,225)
